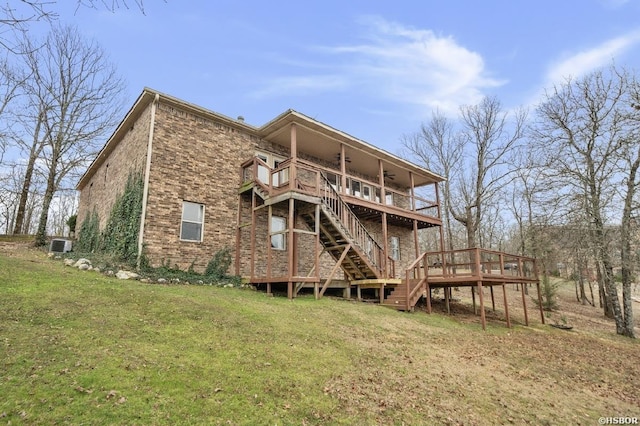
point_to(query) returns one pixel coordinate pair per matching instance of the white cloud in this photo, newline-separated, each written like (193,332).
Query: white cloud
(304,85)
(401,64)
(581,63)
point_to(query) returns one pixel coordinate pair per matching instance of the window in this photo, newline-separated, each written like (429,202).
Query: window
(366,192)
(192,221)
(394,248)
(334,180)
(278,226)
(355,188)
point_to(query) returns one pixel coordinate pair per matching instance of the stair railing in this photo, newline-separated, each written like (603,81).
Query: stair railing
(418,270)
(352,225)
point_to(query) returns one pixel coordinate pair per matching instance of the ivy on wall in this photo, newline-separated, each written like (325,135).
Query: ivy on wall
(120,236)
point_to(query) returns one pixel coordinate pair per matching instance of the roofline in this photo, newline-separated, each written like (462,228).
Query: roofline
(148,95)
(143,101)
(349,138)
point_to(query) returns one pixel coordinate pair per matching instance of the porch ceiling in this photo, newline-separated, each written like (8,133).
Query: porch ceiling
(323,142)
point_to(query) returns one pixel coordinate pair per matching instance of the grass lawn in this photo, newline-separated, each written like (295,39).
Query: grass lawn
(78,347)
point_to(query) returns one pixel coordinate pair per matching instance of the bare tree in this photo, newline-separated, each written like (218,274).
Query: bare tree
(76,98)
(438,148)
(490,139)
(585,129)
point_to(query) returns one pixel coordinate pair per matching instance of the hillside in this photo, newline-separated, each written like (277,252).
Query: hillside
(81,348)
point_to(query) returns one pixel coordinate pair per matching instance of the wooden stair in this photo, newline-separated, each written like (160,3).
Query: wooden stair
(397,299)
(335,239)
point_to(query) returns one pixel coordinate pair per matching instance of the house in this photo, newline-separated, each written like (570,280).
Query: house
(301,204)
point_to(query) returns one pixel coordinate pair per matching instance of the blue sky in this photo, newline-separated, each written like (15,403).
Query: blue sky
(374,69)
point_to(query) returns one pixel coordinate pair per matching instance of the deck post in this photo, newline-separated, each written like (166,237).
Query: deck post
(473,299)
(268,242)
(318,252)
(382,293)
(524,306)
(291,258)
(506,305)
(446,299)
(540,302)
(482,316)
(385,246)
(358,294)
(343,170)
(253,235)
(315,289)
(493,300)
(428,296)
(294,155)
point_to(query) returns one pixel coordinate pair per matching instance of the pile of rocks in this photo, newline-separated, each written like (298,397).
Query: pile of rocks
(85,265)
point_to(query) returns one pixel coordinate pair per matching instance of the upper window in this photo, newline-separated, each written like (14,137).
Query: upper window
(278,226)
(394,248)
(192,221)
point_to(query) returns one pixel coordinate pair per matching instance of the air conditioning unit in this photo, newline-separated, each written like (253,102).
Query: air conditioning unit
(59,245)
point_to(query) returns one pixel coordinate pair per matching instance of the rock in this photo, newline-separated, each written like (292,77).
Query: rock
(109,273)
(162,280)
(69,262)
(145,280)
(82,261)
(126,275)
(228,286)
(97,269)
(84,267)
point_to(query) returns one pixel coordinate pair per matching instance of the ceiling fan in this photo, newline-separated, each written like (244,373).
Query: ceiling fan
(346,158)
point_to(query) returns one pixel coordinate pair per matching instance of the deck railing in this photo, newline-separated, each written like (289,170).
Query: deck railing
(474,264)
(308,180)
(312,181)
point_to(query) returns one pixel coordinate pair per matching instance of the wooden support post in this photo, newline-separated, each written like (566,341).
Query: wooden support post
(268,242)
(540,302)
(316,293)
(385,246)
(318,244)
(346,293)
(291,269)
(493,300)
(473,299)
(481,297)
(506,305)
(382,293)
(290,290)
(343,171)
(268,288)
(358,294)
(428,298)
(524,306)
(446,300)
(416,243)
(253,235)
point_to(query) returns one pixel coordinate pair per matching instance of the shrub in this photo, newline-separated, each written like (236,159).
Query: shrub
(219,265)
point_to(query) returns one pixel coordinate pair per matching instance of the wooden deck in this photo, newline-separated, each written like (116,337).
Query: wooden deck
(476,268)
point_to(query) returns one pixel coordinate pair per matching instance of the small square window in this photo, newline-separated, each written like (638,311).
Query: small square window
(192,221)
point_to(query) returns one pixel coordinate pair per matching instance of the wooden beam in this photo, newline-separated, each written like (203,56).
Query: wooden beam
(291,247)
(269,213)
(253,235)
(334,270)
(506,305)
(540,302)
(481,297)
(385,247)
(493,300)
(524,305)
